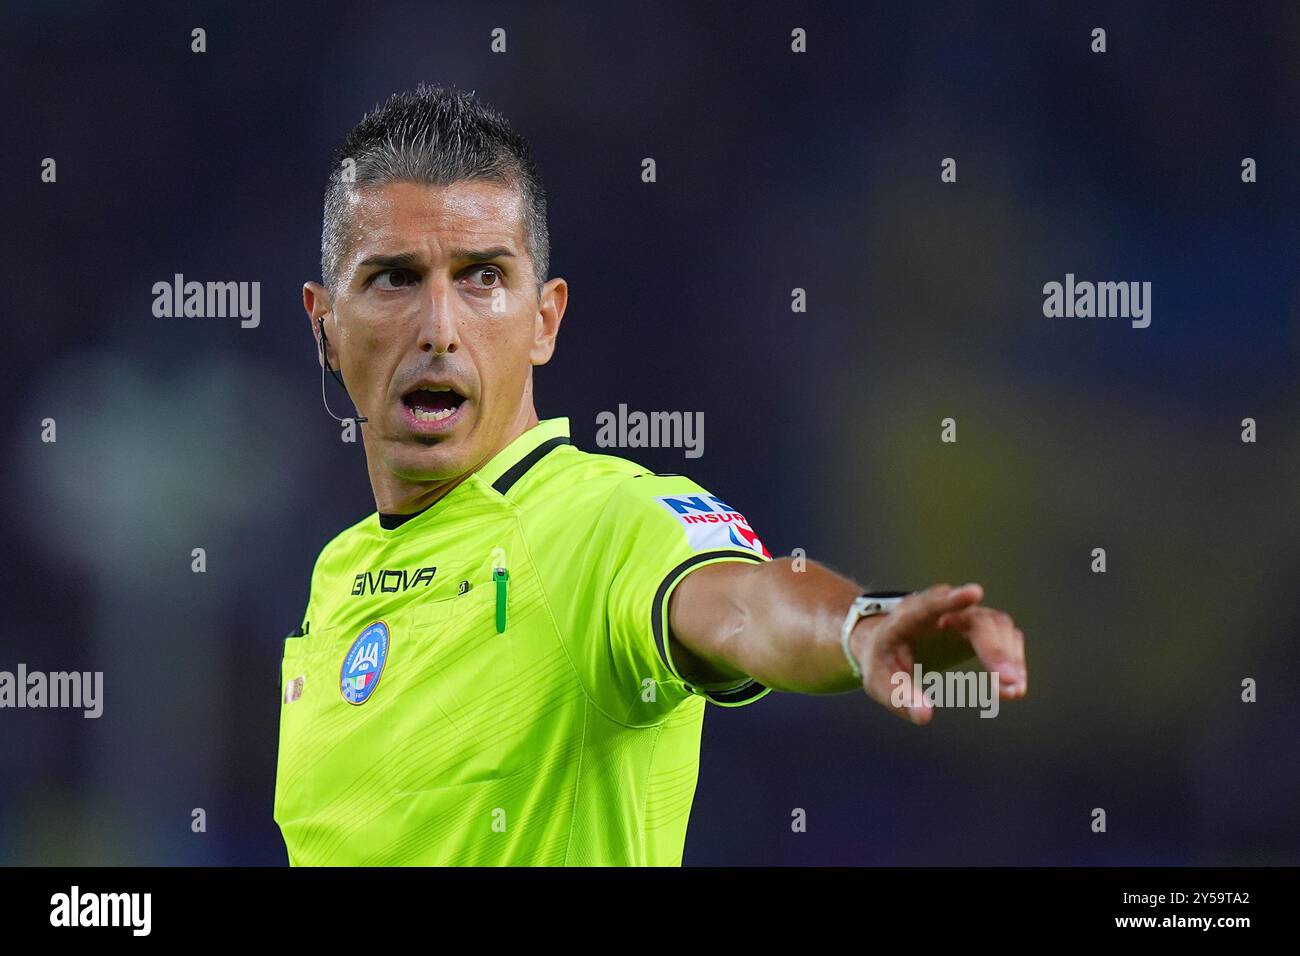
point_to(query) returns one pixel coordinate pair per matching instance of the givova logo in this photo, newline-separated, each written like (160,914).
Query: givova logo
(711,523)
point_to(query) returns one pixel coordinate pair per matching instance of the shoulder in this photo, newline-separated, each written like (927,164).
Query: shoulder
(591,501)
(581,487)
(571,464)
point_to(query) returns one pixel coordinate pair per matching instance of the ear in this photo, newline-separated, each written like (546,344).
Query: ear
(546,325)
(316,300)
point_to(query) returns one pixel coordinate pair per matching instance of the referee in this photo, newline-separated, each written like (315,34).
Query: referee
(508,662)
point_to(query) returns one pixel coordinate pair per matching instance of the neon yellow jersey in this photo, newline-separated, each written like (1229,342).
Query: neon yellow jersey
(490,682)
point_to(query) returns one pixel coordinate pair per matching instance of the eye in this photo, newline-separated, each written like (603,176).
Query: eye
(492,271)
(390,280)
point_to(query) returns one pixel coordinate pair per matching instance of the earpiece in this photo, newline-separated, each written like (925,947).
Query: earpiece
(324,366)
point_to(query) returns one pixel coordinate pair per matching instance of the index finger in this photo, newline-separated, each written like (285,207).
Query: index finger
(997,642)
(926,607)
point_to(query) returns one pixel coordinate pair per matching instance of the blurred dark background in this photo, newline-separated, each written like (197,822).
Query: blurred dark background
(776,171)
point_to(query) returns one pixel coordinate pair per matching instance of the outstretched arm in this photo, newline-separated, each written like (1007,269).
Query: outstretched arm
(782,628)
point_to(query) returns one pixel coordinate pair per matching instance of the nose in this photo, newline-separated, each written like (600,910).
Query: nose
(438,329)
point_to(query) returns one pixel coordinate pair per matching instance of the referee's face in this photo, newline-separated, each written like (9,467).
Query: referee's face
(435,325)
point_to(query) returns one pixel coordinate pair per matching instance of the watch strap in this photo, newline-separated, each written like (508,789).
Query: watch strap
(867,604)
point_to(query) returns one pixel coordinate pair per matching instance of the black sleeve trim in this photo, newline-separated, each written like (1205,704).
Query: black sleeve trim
(738,695)
(517,471)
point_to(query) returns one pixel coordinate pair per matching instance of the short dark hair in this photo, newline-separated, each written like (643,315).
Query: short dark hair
(437,136)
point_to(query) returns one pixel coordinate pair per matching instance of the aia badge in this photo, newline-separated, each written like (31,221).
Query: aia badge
(364,663)
(711,523)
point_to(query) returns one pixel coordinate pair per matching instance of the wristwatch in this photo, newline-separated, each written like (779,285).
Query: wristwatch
(866,605)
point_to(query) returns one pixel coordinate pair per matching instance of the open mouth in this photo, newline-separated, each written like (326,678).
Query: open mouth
(431,403)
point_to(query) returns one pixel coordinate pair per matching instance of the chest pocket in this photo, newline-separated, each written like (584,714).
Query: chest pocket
(438,715)
(463,673)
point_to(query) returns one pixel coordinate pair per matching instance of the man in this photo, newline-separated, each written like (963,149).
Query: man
(508,662)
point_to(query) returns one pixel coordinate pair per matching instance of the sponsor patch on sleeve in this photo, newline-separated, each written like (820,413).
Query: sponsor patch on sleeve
(712,524)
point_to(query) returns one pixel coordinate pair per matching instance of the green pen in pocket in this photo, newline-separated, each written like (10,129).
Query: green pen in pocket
(502,578)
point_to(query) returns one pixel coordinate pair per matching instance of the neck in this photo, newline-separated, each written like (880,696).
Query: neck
(403,496)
